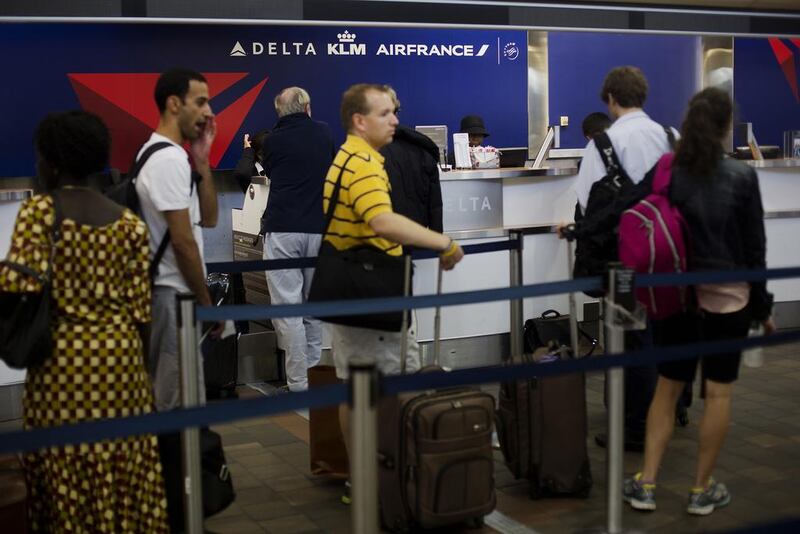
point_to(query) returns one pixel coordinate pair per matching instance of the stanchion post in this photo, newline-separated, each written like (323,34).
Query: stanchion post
(618,296)
(188,337)
(364,445)
(515,306)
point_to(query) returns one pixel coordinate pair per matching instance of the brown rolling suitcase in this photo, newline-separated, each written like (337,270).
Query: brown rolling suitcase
(435,455)
(542,427)
(327,451)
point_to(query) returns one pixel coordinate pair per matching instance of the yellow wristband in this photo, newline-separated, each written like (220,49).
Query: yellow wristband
(450,250)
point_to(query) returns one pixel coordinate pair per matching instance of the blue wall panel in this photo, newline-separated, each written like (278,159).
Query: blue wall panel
(578,63)
(468,71)
(763,87)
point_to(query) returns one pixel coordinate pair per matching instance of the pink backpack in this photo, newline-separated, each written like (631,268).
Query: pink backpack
(651,240)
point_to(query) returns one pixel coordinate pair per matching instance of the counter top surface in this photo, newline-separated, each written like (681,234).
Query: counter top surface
(506,172)
(782,163)
(9,195)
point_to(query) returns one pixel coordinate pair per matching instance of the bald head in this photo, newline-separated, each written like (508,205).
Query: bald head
(292,100)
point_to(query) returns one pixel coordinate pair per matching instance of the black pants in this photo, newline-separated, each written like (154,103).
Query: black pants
(640,385)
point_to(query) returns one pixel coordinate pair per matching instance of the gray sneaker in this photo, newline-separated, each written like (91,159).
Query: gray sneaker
(715,495)
(639,495)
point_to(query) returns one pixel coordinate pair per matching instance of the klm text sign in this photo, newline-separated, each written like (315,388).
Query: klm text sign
(111,69)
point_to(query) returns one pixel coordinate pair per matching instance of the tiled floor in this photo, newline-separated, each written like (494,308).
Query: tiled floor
(760,463)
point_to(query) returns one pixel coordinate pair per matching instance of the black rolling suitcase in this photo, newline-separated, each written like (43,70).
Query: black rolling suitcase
(542,427)
(436,466)
(220,356)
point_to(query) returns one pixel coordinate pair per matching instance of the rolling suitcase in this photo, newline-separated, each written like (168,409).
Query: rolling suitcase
(220,356)
(435,453)
(13,495)
(542,427)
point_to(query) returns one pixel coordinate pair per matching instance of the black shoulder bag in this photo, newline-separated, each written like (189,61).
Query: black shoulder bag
(356,273)
(25,337)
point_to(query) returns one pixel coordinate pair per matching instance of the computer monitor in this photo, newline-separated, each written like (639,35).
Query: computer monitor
(513,156)
(437,134)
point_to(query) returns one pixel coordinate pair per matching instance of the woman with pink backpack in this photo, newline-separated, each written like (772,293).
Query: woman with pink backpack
(720,201)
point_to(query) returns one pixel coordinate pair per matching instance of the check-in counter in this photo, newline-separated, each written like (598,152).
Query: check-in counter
(779,181)
(481,205)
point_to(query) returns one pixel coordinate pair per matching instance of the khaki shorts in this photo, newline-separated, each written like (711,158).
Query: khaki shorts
(350,341)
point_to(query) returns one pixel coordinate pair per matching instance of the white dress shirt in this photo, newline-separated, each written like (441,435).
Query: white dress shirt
(639,143)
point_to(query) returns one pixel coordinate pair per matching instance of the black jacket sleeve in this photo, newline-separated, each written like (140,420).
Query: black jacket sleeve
(245,169)
(434,195)
(755,249)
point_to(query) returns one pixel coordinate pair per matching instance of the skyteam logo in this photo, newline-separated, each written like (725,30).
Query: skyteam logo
(346,45)
(511,51)
(238,50)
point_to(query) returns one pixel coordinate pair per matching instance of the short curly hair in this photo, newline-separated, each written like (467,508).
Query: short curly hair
(74,142)
(627,85)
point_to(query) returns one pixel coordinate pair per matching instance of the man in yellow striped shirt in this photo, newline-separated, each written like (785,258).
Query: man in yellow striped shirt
(364,216)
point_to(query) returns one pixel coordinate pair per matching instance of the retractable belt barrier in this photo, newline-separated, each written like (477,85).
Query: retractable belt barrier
(221,412)
(232,267)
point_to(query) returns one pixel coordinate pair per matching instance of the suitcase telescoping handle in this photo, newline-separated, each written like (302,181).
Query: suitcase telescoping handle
(437,319)
(573,307)
(404,327)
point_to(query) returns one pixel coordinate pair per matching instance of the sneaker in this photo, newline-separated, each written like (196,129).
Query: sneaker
(346,499)
(640,495)
(703,501)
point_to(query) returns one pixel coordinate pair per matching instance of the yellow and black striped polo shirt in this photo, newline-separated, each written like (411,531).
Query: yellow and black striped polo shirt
(363,195)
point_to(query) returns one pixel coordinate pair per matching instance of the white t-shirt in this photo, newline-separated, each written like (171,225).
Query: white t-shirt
(639,143)
(165,184)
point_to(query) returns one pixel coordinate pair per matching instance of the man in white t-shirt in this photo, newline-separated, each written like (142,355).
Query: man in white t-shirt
(175,201)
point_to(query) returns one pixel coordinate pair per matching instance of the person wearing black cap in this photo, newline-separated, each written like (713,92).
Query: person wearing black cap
(473,125)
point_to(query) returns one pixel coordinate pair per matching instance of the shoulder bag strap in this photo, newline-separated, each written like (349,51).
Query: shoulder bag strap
(335,195)
(609,156)
(55,235)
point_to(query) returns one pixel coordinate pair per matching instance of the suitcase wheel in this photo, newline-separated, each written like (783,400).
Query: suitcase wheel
(475,523)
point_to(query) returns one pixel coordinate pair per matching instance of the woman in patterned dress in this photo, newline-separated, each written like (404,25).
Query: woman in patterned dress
(101,293)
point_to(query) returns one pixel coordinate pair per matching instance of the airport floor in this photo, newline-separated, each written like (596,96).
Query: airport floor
(760,463)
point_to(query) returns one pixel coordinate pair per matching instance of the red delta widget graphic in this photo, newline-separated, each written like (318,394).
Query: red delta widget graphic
(786,61)
(125,102)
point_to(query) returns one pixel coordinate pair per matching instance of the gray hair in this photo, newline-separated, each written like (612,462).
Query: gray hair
(291,100)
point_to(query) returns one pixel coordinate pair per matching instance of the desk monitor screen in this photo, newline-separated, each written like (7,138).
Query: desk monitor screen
(437,134)
(513,157)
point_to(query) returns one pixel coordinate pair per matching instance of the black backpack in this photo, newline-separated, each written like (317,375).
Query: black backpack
(124,193)
(595,229)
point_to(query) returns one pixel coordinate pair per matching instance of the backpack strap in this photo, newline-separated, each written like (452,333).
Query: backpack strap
(609,156)
(138,163)
(134,171)
(663,174)
(670,136)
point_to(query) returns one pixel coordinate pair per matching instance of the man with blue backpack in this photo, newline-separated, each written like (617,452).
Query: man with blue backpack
(616,172)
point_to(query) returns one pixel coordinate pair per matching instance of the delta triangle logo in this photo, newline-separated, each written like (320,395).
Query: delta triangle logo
(238,50)
(125,103)
(785,58)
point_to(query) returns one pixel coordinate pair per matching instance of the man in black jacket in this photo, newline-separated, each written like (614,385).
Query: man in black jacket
(412,163)
(296,159)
